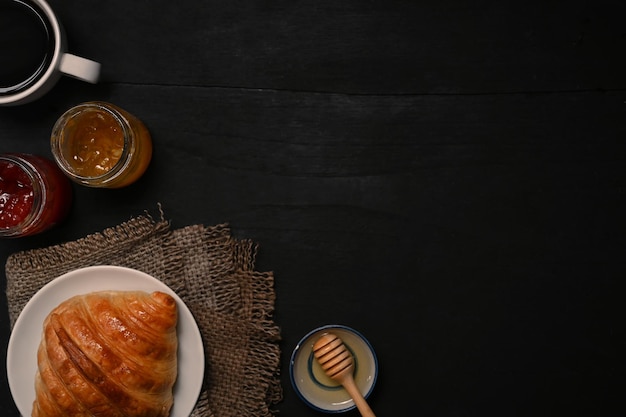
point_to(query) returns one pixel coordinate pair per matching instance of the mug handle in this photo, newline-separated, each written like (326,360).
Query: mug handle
(81,68)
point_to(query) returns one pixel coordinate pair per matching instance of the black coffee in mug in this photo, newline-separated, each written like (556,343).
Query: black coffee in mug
(26,45)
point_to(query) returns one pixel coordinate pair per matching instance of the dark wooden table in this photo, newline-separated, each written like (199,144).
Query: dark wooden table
(447,177)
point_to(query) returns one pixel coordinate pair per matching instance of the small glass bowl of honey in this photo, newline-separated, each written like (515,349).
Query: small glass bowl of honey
(98,144)
(311,383)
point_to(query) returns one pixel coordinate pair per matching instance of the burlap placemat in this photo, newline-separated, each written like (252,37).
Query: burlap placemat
(215,276)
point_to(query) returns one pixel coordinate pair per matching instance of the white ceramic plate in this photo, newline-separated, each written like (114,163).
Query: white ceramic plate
(26,335)
(319,391)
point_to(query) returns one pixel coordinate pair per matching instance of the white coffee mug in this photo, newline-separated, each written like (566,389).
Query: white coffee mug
(33,52)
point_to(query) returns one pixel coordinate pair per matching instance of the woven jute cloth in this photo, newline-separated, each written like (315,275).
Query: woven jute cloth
(212,272)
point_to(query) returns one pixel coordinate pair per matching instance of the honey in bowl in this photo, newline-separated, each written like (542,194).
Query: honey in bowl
(312,384)
(98,144)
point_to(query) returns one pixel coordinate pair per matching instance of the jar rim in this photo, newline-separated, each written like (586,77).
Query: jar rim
(57,142)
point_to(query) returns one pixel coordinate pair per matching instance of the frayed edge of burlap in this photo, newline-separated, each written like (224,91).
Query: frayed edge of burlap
(28,271)
(255,378)
(261,383)
(241,303)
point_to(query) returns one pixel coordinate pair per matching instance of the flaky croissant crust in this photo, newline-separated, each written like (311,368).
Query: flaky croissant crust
(108,354)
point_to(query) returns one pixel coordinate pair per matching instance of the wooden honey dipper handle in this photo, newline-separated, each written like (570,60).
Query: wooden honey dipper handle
(338,364)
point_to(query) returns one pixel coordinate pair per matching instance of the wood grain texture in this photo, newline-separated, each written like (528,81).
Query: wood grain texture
(375,47)
(456,169)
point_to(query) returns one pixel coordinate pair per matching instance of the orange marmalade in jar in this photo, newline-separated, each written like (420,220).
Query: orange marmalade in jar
(98,144)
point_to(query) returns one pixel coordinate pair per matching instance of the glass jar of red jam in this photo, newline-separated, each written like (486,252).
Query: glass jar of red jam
(34,194)
(98,144)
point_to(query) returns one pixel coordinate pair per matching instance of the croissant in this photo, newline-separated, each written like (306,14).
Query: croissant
(108,354)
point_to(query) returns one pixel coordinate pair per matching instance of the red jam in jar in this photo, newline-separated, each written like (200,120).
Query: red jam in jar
(34,194)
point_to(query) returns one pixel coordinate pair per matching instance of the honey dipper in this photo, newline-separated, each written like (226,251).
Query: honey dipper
(338,363)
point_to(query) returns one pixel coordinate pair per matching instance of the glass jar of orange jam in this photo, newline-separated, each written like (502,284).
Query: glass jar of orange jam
(34,194)
(98,144)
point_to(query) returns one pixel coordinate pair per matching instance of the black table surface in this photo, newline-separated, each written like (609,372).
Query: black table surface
(446,177)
